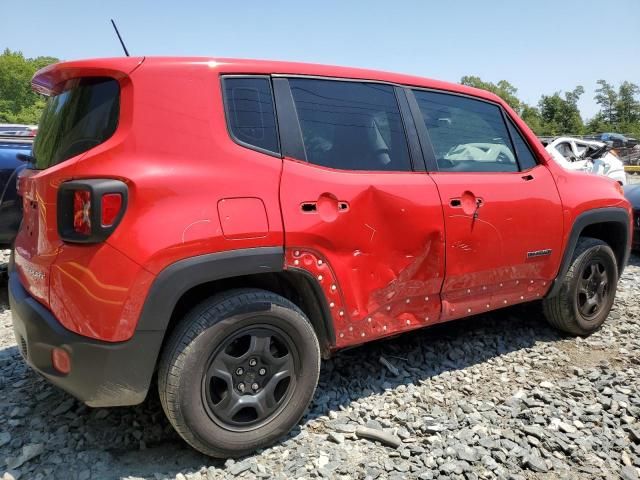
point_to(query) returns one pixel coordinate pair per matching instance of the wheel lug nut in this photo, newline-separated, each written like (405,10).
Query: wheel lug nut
(262,371)
(255,387)
(241,387)
(253,362)
(239,371)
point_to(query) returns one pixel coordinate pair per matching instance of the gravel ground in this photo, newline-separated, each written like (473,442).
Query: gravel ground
(497,396)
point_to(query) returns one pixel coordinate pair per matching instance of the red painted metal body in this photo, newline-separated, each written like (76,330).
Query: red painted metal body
(388,249)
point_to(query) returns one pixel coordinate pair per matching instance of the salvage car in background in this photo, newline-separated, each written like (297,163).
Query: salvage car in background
(10,204)
(632,192)
(587,155)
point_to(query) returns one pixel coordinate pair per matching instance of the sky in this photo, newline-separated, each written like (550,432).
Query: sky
(539,46)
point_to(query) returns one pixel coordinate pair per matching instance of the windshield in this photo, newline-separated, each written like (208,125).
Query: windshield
(82,116)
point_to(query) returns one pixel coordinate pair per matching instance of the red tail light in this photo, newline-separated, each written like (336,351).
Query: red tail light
(90,210)
(82,212)
(111,206)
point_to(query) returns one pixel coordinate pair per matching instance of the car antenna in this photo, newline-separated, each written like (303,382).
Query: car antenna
(126,52)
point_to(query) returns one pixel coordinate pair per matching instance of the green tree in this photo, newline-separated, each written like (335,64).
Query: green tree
(627,106)
(607,98)
(18,103)
(503,89)
(560,115)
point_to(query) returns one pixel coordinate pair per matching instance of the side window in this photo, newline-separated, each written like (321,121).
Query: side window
(526,159)
(250,113)
(350,125)
(467,135)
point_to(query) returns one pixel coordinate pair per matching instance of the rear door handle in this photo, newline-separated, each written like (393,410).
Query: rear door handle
(527,177)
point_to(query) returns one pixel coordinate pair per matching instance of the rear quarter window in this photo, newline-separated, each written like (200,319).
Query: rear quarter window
(84,115)
(250,113)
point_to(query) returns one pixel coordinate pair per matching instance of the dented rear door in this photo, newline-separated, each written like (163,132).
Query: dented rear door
(356,216)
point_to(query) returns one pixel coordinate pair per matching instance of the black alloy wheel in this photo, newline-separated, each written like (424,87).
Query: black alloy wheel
(250,377)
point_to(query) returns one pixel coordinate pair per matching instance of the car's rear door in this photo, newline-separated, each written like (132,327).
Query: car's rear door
(502,210)
(356,215)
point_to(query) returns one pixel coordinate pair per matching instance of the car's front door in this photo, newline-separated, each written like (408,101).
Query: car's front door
(356,217)
(503,216)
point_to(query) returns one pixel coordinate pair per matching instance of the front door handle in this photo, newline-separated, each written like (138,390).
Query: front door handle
(527,178)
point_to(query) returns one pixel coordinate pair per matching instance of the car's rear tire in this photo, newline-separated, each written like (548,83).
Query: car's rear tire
(588,289)
(238,372)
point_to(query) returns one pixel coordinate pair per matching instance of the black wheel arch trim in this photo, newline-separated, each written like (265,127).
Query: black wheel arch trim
(179,277)
(591,217)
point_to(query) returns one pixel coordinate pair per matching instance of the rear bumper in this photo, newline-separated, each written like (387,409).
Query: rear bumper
(103,374)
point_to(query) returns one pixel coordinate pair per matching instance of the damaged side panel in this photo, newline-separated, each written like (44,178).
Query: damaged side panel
(374,242)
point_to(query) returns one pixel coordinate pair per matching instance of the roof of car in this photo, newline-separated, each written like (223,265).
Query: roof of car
(44,78)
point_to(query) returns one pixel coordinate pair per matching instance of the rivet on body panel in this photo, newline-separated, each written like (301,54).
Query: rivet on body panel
(341,313)
(296,262)
(342,335)
(468,310)
(408,322)
(319,278)
(517,282)
(362,334)
(333,288)
(388,308)
(384,327)
(426,299)
(484,287)
(369,319)
(426,319)
(331,305)
(521,297)
(408,300)
(320,262)
(505,301)
(488,306)
(296,253)
(500,284)
(351,329)
(468,290)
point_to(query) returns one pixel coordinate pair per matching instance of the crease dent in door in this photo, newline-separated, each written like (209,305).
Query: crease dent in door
(384,277)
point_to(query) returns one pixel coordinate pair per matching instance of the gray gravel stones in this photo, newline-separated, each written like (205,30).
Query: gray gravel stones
(498,396)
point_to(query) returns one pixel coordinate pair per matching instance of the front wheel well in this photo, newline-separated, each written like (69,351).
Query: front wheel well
(295,286)
(613,234)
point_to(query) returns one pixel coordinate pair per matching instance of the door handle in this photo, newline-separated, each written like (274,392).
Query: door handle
(312,207)
(527,178)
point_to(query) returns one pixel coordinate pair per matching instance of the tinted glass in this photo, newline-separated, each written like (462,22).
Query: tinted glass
(526,160)
(82,116)
(250,112)
(467,135)
(350,125)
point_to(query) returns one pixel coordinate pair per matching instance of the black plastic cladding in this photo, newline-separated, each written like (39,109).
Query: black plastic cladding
(592,217)
(97,188)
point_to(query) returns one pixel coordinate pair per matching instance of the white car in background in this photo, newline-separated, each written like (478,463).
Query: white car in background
(587,156)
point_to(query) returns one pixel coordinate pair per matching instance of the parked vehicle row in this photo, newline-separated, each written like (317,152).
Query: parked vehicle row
(12,162)
(18,130)
(294,210)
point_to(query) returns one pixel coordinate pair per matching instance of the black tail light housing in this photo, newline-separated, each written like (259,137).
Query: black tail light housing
(90,210)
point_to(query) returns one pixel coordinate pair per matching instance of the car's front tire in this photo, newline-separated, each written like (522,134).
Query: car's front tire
(238,372)
(588,289)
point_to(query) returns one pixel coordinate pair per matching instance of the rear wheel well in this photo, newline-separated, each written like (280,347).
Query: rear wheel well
(613,234)
(295,286)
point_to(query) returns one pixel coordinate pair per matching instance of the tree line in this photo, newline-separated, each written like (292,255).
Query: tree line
(558,113)
(555,114)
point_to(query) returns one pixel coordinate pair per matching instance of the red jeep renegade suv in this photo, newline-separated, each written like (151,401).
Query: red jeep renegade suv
(224,224)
